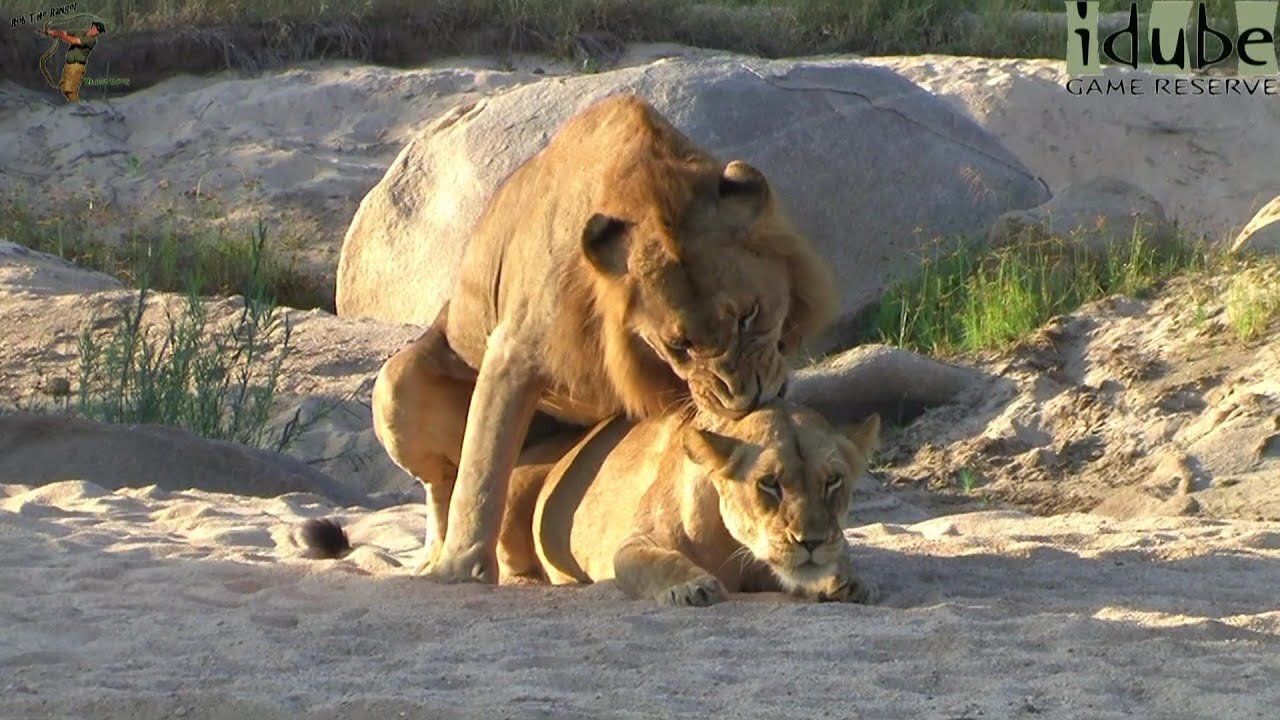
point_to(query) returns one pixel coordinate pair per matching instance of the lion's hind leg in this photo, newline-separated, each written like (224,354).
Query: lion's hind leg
(439,495)
(420,403)
(643,569)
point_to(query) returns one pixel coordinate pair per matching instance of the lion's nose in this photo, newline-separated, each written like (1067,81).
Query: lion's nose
(810,545)
(732,392)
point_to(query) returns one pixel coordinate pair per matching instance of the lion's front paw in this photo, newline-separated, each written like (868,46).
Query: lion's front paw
(847,587)
(699,592)
(473,566)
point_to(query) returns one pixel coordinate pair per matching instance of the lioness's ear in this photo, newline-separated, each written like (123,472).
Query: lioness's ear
(743,192)
(604,242)
(708,449)
(864,436)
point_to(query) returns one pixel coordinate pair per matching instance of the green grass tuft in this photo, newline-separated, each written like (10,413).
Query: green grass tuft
(218,380)
(968,479)
(968,300)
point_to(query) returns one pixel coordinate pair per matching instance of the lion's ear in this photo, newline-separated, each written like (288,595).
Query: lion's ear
(708,449)
(604,243)
(744,192)
(863,438)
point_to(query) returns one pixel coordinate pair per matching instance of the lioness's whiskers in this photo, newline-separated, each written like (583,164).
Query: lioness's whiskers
(743,556)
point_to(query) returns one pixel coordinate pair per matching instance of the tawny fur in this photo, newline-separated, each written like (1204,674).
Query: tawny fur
(547,315)
(673,508)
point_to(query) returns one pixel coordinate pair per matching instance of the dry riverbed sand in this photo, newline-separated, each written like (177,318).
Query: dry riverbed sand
(147,603)
(151,604)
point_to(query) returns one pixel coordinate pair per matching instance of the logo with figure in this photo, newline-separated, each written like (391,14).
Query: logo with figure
(79,46)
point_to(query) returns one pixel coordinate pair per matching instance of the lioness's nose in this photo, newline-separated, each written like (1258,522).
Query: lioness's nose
(810,543)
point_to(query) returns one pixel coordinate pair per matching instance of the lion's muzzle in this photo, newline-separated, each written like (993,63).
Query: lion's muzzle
(734,395)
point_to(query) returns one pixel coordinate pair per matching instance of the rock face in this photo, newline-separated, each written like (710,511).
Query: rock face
(869,165)
(41,449)
(26,271)
(1262,234)
(898,384)
(1093,215)
(1209,158)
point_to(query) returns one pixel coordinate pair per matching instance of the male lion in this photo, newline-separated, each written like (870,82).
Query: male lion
(620,270)
(684,511)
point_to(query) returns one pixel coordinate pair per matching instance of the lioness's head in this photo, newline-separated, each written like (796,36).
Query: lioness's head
(701,271)
(785,480)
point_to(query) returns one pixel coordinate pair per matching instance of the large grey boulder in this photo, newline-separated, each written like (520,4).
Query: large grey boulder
(871,166)
(1094,216)
(896,383)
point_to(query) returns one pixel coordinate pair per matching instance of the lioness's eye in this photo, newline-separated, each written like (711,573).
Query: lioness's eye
(769,486)
(744,322)
(834,482)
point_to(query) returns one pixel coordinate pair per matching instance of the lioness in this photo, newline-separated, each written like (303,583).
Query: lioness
(620,270)
(686,511)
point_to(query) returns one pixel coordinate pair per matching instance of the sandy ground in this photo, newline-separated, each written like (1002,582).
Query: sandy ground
(1126,406)
(147,604)
(150,604)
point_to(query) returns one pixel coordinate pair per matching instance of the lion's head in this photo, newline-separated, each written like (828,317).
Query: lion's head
(697,270)
(785,479)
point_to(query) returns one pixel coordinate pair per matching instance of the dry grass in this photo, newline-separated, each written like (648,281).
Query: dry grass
(1253,300)
(170,36)
(203,256)
(301,29)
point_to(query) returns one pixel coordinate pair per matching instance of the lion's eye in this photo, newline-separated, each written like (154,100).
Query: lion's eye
(834,482)
(745,320)
(679,345)
(769,486)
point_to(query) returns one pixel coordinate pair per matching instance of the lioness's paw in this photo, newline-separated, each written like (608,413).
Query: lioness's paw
(474,567)
(699,592)
(848,588)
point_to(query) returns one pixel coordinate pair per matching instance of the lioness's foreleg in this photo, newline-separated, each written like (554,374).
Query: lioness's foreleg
(506,395)
(420,402)
(645,570)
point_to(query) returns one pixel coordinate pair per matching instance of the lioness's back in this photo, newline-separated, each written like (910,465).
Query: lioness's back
(591,497)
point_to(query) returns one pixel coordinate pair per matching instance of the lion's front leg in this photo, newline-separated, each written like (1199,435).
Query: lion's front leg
(502,407)
(645,570)
(844,585)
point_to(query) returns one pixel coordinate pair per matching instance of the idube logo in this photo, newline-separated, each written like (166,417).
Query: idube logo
(1169,31)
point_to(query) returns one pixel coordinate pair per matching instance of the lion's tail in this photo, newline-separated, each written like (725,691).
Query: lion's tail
(325,538)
